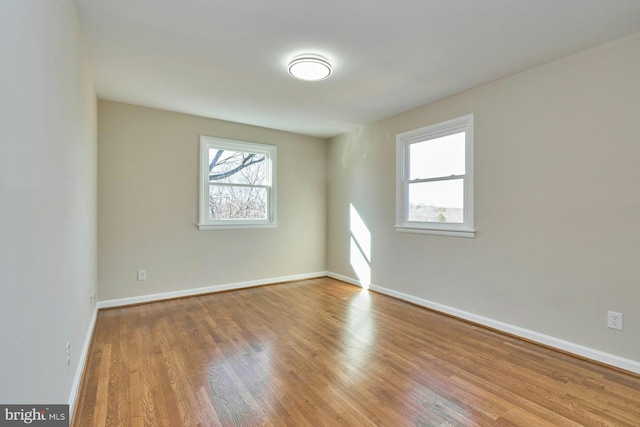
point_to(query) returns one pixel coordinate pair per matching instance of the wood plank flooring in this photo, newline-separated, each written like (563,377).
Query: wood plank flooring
(323,353)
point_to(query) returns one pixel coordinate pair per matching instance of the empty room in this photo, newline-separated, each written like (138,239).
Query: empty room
(281,213)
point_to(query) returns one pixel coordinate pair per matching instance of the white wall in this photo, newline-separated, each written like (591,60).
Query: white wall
(557,190)
(48,240)
(148,206)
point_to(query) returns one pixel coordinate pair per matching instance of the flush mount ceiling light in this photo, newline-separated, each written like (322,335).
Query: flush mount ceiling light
(310,67)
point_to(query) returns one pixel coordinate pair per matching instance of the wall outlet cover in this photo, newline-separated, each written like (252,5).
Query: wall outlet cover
(614,320)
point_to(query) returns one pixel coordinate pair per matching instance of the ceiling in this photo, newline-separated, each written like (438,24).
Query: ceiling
(227,59)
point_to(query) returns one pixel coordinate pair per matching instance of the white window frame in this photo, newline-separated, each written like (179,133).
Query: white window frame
(403,144)
(270,152)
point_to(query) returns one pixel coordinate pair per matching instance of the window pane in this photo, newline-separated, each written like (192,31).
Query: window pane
(437,157)
(439,201)
(237,167)
(229,202)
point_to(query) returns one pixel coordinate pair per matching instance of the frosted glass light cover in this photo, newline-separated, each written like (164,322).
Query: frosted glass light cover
(310,67)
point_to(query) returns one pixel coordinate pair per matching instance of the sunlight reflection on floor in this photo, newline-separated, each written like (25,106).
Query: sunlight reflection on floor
(360,330)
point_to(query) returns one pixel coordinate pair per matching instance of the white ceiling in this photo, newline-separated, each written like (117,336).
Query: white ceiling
(227,59)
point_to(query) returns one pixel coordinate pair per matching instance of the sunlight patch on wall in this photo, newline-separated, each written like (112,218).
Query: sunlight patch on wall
(360,248)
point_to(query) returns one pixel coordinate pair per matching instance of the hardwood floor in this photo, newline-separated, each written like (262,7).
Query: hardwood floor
(324,353)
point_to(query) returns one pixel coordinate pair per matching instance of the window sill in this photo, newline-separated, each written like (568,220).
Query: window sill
(468,234)
(234,226)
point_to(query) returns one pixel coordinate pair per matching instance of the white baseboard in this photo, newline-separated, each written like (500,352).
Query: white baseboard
(206,290)
(75,386)
(569,347)
(342,278)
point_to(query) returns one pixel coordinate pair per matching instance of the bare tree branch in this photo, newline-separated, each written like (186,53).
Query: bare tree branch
(246,162)
(214,162)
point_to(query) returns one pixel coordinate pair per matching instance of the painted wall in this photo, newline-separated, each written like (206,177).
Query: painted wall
(48,170)
(148,206)
(557,191)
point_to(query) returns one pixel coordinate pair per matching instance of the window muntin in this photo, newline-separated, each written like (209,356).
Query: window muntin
(237,184)
(435,179)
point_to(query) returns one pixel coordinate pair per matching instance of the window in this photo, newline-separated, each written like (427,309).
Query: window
(434,179)
(237,184)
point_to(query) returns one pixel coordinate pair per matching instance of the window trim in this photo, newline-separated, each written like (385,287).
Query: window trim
(209,142)
(403,142)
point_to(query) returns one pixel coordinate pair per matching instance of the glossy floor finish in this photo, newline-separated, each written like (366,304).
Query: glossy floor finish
(324,353)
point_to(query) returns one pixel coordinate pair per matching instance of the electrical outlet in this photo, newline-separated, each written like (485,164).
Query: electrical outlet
(142,274)
(614,320)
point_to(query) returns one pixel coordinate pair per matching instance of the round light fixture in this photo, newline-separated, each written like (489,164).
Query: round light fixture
(310,67)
